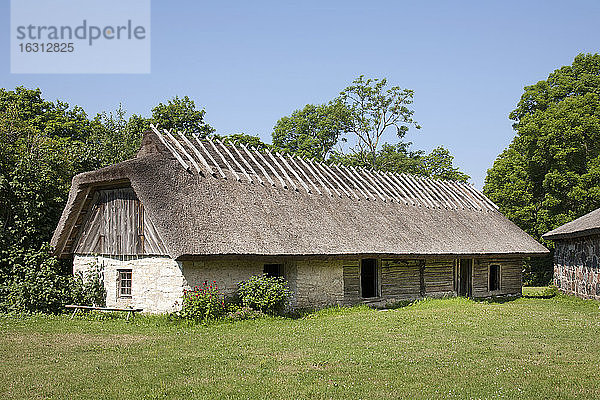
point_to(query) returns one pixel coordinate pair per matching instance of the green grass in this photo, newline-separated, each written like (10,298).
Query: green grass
(451,348)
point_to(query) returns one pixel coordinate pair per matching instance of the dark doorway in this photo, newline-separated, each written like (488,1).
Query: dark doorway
(465,267)
(368,277)
(494,277)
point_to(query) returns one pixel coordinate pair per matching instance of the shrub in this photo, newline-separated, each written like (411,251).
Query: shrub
(266,294)
(88,287)
(35,283)
(243,313)
(203,303)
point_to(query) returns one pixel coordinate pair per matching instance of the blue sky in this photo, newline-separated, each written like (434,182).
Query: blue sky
(250,63)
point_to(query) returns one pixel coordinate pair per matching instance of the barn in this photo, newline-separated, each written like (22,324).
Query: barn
(577,256)
(186,210)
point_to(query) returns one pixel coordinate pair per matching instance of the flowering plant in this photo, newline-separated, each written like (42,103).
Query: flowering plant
(203,302)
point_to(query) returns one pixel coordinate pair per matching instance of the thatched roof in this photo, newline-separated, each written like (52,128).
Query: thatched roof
(208,198)
(589,224)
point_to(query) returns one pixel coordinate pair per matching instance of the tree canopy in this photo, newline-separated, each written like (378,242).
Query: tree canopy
(181,115)
(550,172)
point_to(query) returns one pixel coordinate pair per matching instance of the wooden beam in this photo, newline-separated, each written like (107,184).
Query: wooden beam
(373,180)
(418,193)
(299,168)
(285,174)
(386,183)
(316,167)
(229,167)
(259,166)
(340,179)
(182,149)
(357,182)
(359,177)
(210,157)
(235,161)
(336,179)
(316,174)
(264,160)
(199,155)
(346,175)
(294,172)
(170,148)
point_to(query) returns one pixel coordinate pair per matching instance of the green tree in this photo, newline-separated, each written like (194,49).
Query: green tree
(180,114)
(313,131)
(244,139)
(398,158)
(373,108)
(550,173)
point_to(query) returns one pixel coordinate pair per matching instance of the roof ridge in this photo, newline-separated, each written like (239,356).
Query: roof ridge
(252,165)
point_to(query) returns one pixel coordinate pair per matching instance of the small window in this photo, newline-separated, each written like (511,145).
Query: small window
(368,278)
(494,277)
(273,270)
(124,283)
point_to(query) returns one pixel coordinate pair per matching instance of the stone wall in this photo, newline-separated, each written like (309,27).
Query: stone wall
(156,283)
(576,266)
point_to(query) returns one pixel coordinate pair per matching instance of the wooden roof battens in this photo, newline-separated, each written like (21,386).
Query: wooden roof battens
(466,195)
(356,187)
(198,155)
(235,161)
(386,183)
(492,205)
(340,182)
(402,194)
(210,157)
(284,172)
(299,168)
(487,203)
(170,148)
(377,184)
(316,167)
(455,193)
(316,175)
(423,191)
(237,151)
(283,184)
(435,190)
(294,172)
(417,190)
(183,150)
(357,182)
(338,172)
(229,167)
(406,189)
(266,175)
(373,188)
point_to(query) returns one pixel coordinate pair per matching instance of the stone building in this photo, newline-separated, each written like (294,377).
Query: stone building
(185,211)
(577,256)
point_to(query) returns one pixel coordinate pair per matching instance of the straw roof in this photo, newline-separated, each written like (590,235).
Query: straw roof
(209,198)
(589,224)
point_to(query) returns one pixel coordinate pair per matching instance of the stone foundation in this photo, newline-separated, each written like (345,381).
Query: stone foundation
(576,266)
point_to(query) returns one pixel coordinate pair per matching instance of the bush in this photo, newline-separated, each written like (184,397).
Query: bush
(88,287)
(265,294)
(203,303)
(243,313)
(36,283)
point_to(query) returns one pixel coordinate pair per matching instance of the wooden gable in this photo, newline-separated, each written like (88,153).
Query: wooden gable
(117,225)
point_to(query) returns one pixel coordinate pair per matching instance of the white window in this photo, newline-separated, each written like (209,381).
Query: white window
(124,283)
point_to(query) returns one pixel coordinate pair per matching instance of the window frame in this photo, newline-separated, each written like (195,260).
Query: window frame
(121,279)
(498,280)
(280,270)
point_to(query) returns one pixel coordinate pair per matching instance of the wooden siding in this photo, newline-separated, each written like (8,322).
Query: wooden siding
(439,277)
(118,225)
(401,278)
(510,276)
(351,284)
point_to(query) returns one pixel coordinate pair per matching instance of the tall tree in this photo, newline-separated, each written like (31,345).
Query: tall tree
(373,109)
(180,114)
(550,173)
(313,131)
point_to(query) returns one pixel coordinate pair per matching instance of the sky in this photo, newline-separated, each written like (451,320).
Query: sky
(250,63)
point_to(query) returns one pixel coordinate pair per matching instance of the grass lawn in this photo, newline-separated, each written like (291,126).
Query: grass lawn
(450,348)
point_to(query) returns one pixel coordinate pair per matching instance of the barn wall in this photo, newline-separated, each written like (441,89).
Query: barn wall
(510,276)
(319,283)
(157,282)
(576,266)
